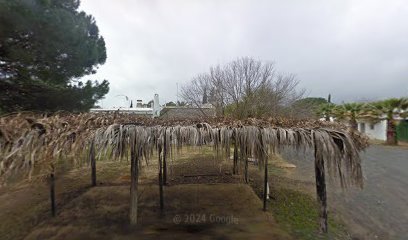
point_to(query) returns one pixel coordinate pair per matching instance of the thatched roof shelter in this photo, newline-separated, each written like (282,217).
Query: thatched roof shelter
(27,141)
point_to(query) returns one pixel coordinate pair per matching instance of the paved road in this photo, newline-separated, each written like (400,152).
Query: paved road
(380,210)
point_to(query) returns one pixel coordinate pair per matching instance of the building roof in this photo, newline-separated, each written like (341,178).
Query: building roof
(128,110)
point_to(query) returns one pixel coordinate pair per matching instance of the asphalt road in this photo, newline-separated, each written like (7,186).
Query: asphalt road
(380,210)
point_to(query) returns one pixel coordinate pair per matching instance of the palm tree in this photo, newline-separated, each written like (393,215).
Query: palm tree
(390,110)
(326,110)
(350,112)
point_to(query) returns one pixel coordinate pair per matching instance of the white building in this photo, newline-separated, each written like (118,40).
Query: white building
(376,131)
(139,110)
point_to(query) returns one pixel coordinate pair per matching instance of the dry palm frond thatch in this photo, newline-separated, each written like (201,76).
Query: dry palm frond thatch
(32,140)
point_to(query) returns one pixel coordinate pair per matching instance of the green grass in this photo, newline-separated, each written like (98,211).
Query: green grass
(297,213)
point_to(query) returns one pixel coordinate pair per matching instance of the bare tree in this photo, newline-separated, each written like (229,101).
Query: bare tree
(218,87)
(244,88)
(245,76)
(193,93)
(284,94)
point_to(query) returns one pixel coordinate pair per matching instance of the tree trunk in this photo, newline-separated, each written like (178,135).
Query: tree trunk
(134,177)
(52,192)
(93,164)
(353,124)
(321,191)
(391,133)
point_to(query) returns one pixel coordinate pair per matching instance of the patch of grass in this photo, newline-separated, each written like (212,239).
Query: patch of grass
(298,213)
(275,170)
(294,206)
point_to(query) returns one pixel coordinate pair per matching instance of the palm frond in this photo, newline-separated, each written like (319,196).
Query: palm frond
(68,137)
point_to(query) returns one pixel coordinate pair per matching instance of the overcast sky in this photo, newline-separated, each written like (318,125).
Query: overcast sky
(355,50)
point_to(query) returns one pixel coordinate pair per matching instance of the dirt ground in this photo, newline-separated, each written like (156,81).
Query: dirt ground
(25,205)
(202,200)
(222,211)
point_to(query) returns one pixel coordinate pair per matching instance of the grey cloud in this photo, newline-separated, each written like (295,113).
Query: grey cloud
(352,49)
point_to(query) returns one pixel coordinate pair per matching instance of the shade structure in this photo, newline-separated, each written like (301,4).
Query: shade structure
(72,137)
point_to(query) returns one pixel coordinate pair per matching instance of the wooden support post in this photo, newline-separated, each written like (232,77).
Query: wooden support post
(93,163)
(263,157)
(246,170)
(52,192)
(266,192)
(235,166)
(161,181)
(165,159)
(134,177)
(321,191)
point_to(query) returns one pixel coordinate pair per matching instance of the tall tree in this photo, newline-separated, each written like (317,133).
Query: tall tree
(244,88)
(350,112)
(194,92)
(170,104)
(205,97)
(45,47)
(307,107)
(326,110)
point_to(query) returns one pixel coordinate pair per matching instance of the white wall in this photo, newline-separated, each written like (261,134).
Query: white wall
(378,132)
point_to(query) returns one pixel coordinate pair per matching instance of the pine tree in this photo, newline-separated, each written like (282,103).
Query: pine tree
(45,47)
